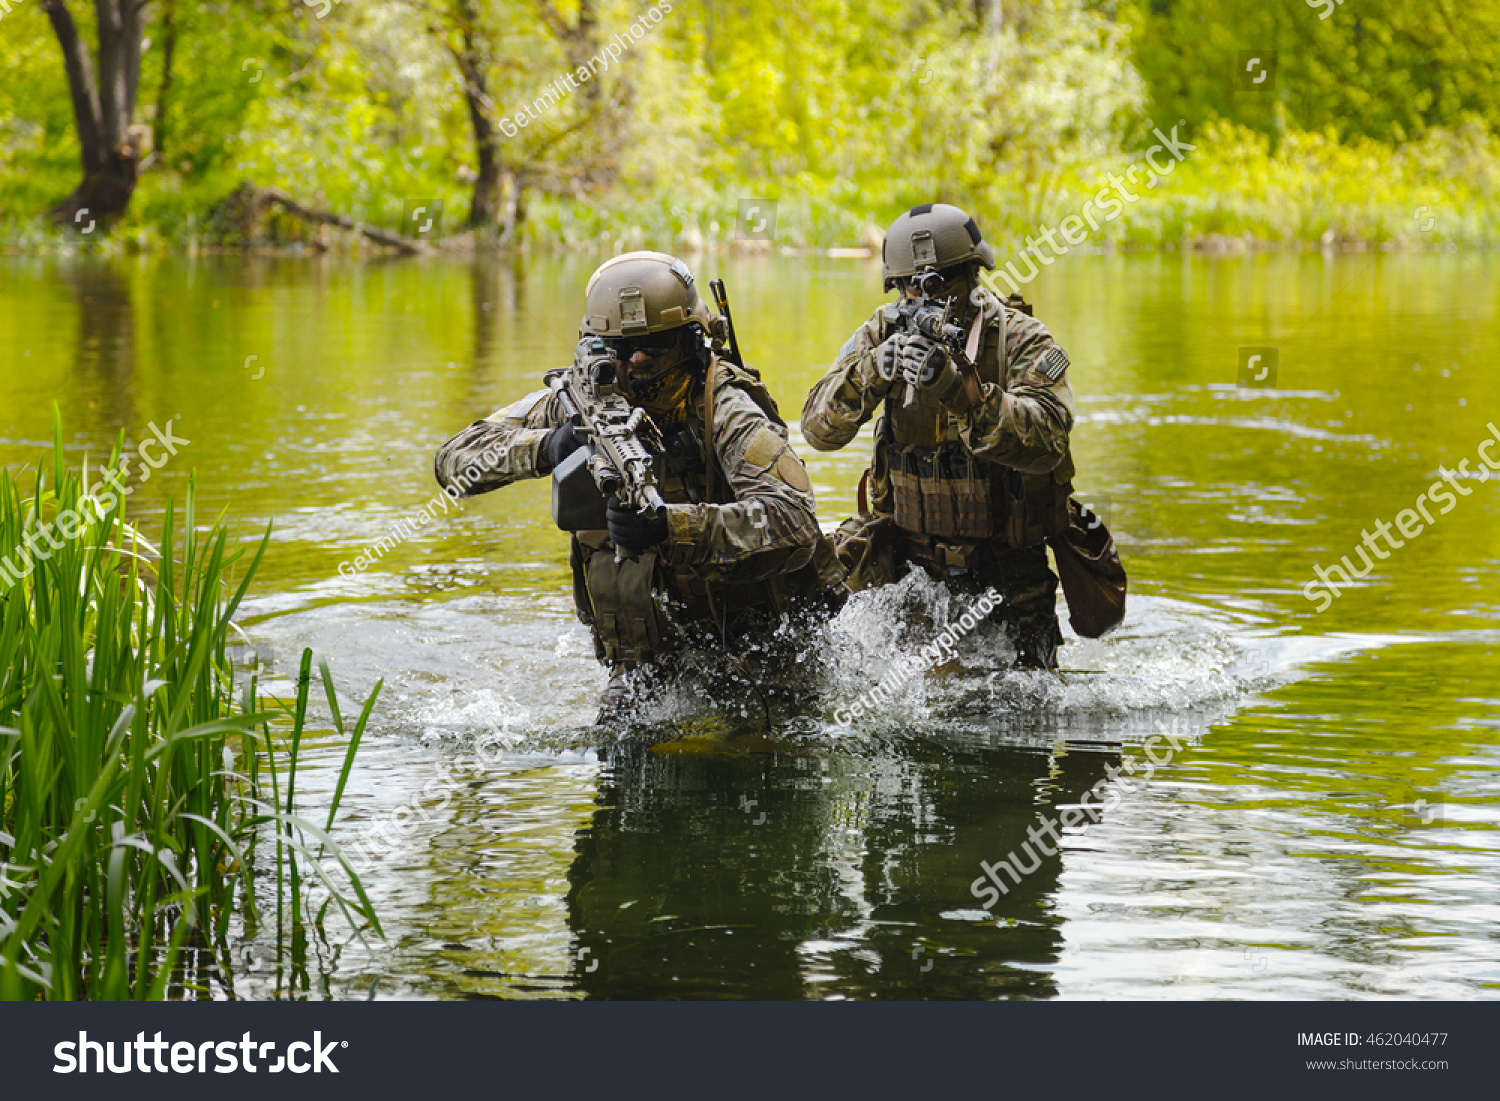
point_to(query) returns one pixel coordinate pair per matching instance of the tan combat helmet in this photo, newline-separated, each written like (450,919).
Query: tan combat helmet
(933,235)
(640,293)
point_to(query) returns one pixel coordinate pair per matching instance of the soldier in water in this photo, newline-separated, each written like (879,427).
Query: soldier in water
(736,553)
(972,469)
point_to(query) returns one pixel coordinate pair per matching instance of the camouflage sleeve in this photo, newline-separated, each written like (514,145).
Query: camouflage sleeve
(1025,425)
(771,527)
(500,449)
(849,393)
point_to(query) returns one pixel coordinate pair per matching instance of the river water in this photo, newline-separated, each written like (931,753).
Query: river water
(1318,818)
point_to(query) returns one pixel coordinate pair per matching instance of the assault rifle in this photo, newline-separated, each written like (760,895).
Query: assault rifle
(924,316)
(620,441)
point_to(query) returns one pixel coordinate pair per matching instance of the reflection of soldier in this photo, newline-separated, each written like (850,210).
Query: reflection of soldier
(772,876)
(738,538)
(972,468)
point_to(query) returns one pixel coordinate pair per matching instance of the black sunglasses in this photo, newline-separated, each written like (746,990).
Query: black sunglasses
(652,346)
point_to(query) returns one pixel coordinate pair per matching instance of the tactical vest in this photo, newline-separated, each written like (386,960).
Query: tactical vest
(937,489)
(621,602)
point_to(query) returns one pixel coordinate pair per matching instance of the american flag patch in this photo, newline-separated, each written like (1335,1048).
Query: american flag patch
(1053,363)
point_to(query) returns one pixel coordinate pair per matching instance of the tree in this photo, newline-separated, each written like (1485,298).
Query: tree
(579,137)
(104,106)
(1386,69)
(459,28)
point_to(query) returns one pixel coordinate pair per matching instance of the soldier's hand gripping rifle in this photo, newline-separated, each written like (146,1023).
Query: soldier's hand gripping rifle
(620,441)
(922,317)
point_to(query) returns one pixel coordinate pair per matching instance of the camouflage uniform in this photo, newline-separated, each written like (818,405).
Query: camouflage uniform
(976,523)
(757,542)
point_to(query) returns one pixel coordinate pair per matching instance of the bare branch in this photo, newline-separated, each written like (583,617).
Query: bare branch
(268,195)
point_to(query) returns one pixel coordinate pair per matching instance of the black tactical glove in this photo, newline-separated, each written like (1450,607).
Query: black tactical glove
(556,446)
(923,360)
(887,366)
(630,531)
(936,372)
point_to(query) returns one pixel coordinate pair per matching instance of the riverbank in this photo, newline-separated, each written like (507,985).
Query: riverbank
(1223,188)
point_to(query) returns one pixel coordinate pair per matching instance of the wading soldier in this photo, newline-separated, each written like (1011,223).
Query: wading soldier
(971,471)
(736,551)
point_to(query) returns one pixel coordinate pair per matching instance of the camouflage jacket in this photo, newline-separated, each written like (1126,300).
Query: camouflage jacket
(763,526)
(1019,431)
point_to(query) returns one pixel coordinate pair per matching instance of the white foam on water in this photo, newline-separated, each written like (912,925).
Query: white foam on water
(522,674)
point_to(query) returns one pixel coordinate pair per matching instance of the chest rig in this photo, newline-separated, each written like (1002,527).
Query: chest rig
(937,488)
(636,608)
(683,468)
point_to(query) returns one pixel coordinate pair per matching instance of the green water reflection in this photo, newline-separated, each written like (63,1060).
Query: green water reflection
(1332,832)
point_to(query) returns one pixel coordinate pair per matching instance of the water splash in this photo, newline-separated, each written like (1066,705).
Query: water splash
(492,669)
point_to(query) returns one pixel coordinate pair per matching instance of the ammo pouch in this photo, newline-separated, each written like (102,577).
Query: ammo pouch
(942,493)
(1036,505)
(626,621)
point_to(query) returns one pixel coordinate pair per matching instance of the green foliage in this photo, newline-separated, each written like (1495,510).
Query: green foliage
(135,791)
(1313,187)
(842,114)
(1385,69)
(220,50)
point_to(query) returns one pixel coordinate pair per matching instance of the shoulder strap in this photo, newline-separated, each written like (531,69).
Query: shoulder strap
(708,429)
(976,333)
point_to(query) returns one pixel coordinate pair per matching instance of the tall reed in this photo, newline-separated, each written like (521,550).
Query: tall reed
(139,798)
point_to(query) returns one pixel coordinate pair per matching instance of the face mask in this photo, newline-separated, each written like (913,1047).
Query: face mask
(664,395)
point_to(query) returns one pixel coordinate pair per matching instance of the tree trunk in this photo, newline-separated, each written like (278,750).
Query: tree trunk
(110,146)
(485,205)
(993,22)
(168,47)
(511,212)
(484,208)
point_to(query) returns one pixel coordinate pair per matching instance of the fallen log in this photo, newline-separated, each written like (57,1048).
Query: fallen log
(246,207)
(269,195)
